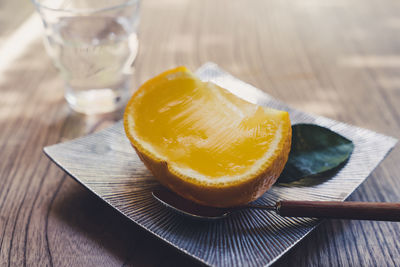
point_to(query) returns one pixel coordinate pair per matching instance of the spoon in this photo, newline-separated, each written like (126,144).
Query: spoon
(377,211)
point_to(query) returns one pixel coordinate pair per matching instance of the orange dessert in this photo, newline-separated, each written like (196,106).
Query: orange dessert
(203,142)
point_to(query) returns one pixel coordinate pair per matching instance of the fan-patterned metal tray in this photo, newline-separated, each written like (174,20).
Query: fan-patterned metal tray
(106,164)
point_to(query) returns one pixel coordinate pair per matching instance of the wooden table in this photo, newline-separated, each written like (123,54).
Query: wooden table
(335,58)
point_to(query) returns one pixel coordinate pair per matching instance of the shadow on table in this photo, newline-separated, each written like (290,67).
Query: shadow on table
(315,249)
(96,233)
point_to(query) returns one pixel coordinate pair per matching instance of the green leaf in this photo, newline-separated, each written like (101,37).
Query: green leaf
(316,152)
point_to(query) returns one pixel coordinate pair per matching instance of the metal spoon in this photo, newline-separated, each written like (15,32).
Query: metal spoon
(377,211)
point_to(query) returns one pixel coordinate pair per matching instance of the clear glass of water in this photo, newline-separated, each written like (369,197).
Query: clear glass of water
(94,44)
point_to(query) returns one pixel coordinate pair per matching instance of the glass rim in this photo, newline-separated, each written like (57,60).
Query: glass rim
(38,5)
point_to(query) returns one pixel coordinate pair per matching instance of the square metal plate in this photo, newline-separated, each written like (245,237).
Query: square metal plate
(107,165)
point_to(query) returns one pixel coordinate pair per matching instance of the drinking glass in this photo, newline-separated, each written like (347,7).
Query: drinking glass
(94,44)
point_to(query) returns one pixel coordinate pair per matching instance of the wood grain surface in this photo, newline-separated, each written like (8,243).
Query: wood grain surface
(335,58)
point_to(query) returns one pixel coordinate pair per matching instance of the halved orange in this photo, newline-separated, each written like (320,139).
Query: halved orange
(203,142)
